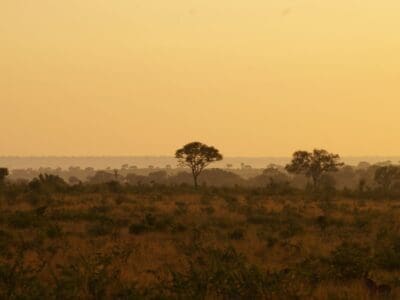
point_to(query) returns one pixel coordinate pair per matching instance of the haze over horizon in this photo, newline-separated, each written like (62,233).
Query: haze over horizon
(94,78)
(159,162)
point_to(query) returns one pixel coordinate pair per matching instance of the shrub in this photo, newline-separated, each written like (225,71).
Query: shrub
(218,274)
(5,239)
(268,238)
(54,231)
(209,210)
(387,255)
(290,229)
(237,234)
(206,199)
(178,227)
(349,261)
(322,222)
(87,277)
(232,202)
(19,280)
(181,208)
(100,229)
(151,222)
(150,219)
(24,219)
(138,228)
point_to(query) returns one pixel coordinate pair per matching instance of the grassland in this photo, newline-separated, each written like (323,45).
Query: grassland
(211,244)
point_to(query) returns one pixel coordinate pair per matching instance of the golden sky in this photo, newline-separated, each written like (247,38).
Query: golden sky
(254,78)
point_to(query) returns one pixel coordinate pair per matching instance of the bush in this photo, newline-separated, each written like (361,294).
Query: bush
(387,255)
(237,234)
(5,239)
(209,210)
(291,228)
(100,229)
(181,208)
(322,222)
(89,277)
(138,228)
(350,261)
(178,227)
(151,222)
(54,231)
(24,219)
(268,237)
(219,274)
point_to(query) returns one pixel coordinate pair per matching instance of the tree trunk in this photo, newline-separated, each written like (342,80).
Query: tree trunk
(315,183)
(195,178)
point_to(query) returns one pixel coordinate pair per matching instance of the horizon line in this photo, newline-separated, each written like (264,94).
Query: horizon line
(171,156)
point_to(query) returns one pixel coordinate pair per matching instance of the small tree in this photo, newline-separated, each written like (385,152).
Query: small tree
(314,164)
(197,157)
(385,176)
(3,174)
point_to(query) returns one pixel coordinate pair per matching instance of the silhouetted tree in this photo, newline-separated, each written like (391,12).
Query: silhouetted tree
(101,177)
(197,157)
(268,176)
(135,179)
(159,177)
(361,185)
(3,174)
(47,183)
(314,164)
(386,175)
(73,180)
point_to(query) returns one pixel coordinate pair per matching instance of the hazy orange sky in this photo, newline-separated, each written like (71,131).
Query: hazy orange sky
(254,78)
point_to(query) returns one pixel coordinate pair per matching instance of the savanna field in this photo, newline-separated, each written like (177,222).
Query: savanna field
(113,242)
(181,150)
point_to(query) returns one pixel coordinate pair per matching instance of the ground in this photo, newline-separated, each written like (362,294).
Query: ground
(215,244)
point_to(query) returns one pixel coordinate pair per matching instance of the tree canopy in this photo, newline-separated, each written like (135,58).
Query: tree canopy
(386,175)
(314,164)
(197,156)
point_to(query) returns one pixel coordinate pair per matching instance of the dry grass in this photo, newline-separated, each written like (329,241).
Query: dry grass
(286,233)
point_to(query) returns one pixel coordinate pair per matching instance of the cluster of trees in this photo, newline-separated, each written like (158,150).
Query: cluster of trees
(317,169)
(315,165)
(388,178)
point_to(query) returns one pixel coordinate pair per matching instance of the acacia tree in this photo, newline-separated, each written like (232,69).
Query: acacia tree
(386,175)
(314,164)
(197,156)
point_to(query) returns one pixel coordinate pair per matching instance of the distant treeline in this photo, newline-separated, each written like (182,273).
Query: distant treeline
(319,172)
(360,177)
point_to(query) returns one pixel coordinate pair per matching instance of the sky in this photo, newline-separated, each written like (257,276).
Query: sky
(253,78)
